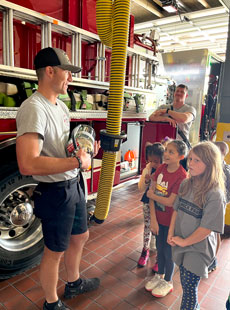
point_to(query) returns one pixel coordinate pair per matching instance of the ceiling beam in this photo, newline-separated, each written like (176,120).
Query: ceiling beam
(225,4)
(146,5)
(158,2)
(175,19)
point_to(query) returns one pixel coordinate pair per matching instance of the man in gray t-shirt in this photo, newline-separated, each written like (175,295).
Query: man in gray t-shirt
(43,131)
(178,113)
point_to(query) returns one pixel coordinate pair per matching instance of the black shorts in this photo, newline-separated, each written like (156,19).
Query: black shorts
(62,209)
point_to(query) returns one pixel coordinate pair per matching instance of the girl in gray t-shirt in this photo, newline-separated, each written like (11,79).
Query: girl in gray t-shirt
(197,218)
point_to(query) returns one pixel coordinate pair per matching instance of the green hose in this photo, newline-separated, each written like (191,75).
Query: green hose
(113,28)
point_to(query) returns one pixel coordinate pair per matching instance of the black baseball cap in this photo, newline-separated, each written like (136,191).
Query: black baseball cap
(54,57)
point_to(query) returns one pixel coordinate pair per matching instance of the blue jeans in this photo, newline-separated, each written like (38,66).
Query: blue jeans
(164,253)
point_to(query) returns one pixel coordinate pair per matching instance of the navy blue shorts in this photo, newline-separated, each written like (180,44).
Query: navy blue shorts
(62,209)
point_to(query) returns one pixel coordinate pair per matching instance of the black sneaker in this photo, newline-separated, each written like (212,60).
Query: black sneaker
(87,285)
(59,306)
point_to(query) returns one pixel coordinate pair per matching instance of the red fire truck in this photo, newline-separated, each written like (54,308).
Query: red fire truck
(70,25)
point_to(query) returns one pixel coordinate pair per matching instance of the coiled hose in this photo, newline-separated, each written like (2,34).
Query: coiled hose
(112,26)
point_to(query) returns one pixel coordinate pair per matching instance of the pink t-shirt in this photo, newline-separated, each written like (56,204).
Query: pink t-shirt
(166,184)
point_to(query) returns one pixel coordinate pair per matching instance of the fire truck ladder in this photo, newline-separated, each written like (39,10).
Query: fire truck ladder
(11,12)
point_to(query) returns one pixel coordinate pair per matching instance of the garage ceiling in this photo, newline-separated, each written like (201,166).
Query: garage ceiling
(195,24)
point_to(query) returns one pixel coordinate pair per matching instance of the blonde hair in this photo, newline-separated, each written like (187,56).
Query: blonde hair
(223,146)
(213,176)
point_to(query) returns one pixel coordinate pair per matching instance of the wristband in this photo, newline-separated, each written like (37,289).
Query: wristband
(167,111)
(79,162)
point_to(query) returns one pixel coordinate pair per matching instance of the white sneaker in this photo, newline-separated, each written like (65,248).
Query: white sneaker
(152,244)
(150,285)
(162,289)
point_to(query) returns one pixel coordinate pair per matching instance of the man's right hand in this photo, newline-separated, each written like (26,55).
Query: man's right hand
(171,121)
(160,112)
(85,158)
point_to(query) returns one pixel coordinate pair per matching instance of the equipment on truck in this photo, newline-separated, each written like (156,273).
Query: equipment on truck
(82,137)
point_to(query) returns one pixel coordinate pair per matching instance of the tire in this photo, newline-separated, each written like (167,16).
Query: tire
(21,247)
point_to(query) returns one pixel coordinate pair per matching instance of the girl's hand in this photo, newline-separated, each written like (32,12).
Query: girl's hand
(179,241)
(154,227)
(152,176)
(150,194)
(147,178)
(169,239)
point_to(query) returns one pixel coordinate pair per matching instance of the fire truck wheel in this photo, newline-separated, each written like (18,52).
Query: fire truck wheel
(21,247)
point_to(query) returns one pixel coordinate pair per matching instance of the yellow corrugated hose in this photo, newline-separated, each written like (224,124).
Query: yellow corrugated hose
(113,27)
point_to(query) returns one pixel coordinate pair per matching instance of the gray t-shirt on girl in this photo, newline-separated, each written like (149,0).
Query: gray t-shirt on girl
(197,257)
(51,121)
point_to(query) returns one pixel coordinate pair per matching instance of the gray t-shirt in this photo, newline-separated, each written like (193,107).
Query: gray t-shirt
(197,257)
(226,169)
(51,122)
(185,127)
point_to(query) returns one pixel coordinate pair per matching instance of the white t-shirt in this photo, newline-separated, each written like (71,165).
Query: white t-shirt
(51,121)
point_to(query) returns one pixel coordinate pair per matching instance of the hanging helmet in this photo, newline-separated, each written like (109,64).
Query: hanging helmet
(82,137)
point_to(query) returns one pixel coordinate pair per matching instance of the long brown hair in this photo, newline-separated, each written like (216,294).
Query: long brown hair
(211,178)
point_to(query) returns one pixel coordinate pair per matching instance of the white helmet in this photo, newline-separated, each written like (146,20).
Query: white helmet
(82,137)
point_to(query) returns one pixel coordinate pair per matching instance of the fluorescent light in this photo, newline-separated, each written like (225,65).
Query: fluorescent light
(193,15)
(200,39)
(170,8)
(165,44)
(224,24)
(221,36)
(217,30)
(143,26)
(185,72)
